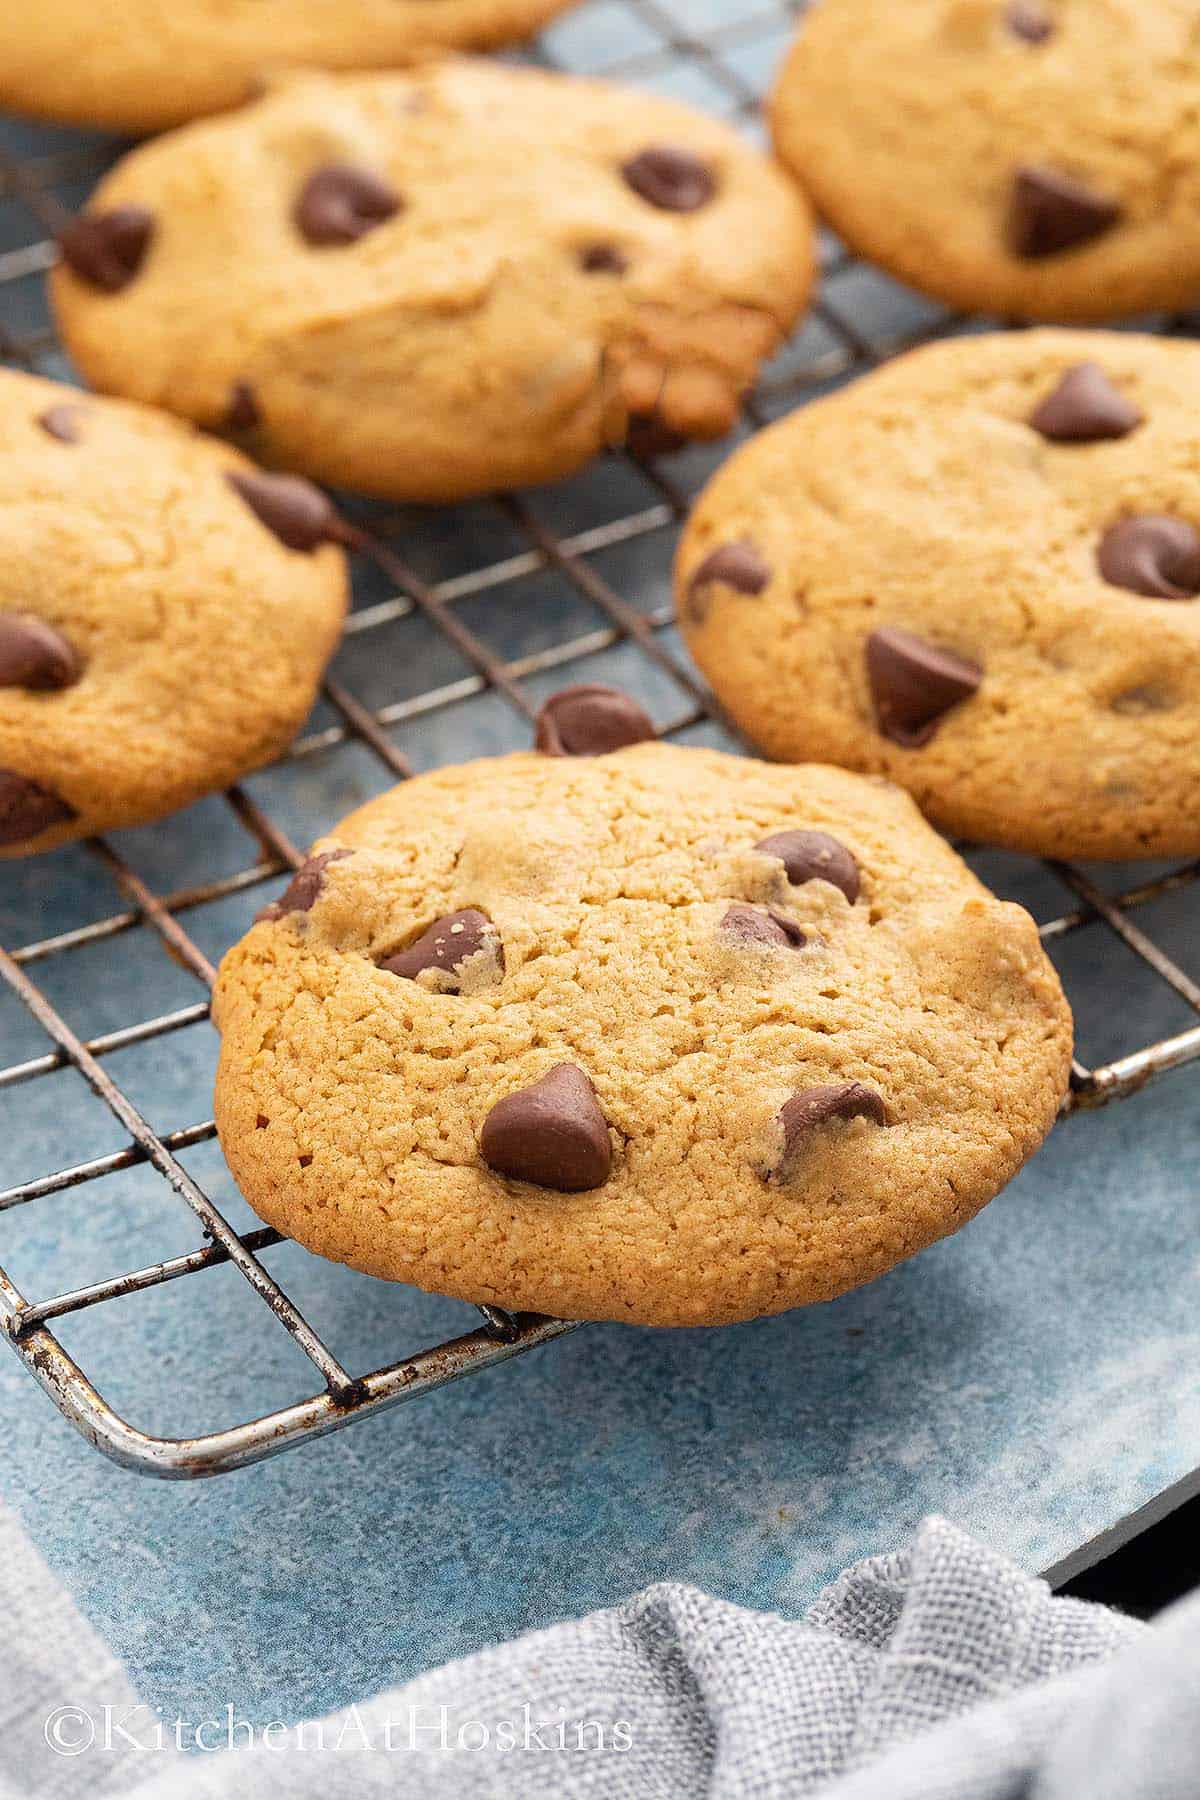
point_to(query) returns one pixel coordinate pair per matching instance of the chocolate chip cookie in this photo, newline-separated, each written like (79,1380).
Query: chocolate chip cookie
(655,1034)
(374,280)
(1034,158)
(141,65)
(166,610)
(976,571)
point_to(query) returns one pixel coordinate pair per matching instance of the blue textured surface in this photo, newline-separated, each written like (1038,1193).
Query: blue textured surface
(1035,1378)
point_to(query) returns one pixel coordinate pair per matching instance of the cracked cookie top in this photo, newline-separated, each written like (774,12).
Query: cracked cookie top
(143,65)
(157,638)
(1033,158)
(977,572)
(657,1034)
(433,284)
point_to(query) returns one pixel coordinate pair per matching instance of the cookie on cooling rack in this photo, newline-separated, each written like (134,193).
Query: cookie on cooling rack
(1034,158)
(376,280)
(165,613)
(976,571)
(140,66)
(650,1033)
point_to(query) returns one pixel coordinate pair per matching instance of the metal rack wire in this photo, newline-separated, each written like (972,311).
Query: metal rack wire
(848,347)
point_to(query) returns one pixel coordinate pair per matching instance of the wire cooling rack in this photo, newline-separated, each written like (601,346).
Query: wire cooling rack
(720,56)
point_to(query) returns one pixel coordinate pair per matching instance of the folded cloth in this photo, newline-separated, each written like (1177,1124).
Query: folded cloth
(941,1672)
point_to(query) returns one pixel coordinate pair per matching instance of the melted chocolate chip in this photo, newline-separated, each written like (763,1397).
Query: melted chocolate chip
(1085,408)
(603,259)
(304,889)
(34,655)
(815,1106)
(1152,554)
(590,720)
(27,808)
(107,249)
(340,204)
(446,945)
(1051,212)
(814,856)
(914,684)
(1027,19)
(551,1133)
(298,513)
(671,178)
(242,413)
(61,422)
(737,566)
(771,929)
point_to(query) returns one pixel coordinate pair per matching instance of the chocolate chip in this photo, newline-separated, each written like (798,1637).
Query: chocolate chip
(814,1106)
(34,655)
(770,928)
(670,178)
(298,513)
(738,566)
(1084,408)
(648,435)
(590,720)
(340,204)
(552,1133)
(304,889)
(814,856)
(27,808)
(242,413)
(1026,19)
(603,259)
(914,684)
(1152,554)
(107,249)
(60,422)
(446,945)
(1051,212)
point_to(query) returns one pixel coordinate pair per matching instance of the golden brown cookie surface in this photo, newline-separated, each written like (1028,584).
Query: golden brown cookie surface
(977,572)
(436,284)
(142,65)
(1032,158)
(157,640)
(659,1035)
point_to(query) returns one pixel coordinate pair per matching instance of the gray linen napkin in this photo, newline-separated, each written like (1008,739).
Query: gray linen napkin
(938,1673)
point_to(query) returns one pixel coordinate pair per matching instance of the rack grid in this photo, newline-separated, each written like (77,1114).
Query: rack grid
(667,50)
